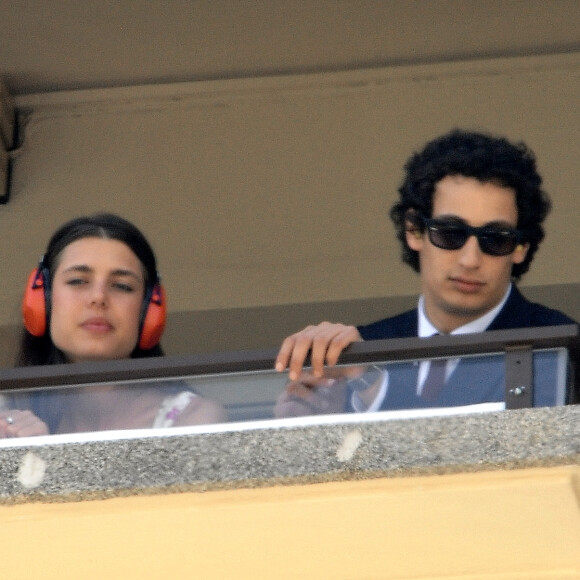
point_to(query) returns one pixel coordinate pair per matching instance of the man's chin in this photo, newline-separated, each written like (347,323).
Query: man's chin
(468,311)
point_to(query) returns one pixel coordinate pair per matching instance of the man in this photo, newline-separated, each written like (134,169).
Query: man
(469,219)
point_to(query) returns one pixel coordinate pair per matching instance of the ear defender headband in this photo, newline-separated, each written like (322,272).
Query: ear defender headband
(36,308)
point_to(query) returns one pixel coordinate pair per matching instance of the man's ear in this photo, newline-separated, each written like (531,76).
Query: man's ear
(413,231)
(520,253)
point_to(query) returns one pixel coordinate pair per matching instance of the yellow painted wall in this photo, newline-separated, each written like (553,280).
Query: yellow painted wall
(506,525)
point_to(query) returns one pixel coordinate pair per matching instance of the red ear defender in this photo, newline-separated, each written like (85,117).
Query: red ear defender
(34,304)
(154,322)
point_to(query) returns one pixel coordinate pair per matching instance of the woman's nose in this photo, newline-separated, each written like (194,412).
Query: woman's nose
(98,294)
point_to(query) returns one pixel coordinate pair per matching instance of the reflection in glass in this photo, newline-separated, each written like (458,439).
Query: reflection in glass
(469,380)
(103,407)
(266,395)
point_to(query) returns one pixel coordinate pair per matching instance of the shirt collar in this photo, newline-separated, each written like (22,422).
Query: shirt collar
(426,328)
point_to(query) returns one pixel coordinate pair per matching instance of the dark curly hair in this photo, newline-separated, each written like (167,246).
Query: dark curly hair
(41,350)
(487,159)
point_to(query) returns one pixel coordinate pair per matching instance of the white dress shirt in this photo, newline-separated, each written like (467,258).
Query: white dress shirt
(426,329)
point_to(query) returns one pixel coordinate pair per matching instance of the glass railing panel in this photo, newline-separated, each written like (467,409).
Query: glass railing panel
(228,398)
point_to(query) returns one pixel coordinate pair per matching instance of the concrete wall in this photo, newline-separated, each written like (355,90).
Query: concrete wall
(274,193)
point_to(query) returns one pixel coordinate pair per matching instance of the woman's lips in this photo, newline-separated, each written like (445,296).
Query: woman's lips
(97,325)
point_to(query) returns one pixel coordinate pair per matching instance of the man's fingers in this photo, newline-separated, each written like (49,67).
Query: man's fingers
(345,337)
(324,342)
(294,351)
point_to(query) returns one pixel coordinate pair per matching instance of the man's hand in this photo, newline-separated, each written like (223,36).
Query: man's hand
(324,342)
(310,395)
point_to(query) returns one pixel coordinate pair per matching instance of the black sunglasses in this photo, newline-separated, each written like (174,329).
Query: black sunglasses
(452,235)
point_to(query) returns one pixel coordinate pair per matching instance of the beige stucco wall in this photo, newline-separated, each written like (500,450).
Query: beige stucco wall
(274,192)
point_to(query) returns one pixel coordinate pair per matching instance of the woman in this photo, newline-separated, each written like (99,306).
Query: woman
(96,296)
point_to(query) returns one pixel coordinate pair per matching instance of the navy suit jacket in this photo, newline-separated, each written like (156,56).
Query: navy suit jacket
(477,379)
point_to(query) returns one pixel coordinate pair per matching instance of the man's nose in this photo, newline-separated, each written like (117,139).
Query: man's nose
(470,253)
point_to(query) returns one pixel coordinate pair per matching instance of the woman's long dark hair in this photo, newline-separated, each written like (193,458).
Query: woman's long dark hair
(41,350)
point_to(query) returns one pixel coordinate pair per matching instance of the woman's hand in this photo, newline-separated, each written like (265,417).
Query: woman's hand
(16,423)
